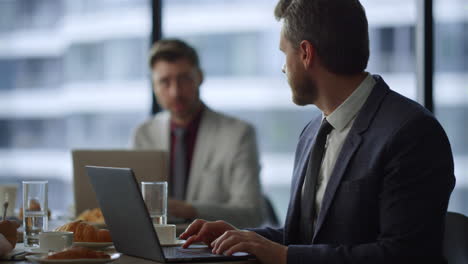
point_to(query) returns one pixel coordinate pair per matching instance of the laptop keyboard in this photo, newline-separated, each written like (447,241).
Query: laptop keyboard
(179,252)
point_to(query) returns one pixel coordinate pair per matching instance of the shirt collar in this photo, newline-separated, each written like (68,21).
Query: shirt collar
(193,125)
(346,112)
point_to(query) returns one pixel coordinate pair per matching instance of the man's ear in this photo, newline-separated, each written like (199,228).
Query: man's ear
(201,77)
(307,51)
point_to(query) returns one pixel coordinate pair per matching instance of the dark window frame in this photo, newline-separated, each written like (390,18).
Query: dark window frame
(425,53)
(156,33)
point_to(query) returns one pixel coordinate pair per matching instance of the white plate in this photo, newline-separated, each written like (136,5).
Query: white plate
(42,260)
(178,242)
(93,245)
(36,250)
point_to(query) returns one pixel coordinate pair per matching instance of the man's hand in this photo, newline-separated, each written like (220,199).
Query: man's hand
(203,231)
(181,209)
(226,239)
(265,250)
(8,230)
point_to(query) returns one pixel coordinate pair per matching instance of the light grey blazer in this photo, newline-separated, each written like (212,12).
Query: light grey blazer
(224,179)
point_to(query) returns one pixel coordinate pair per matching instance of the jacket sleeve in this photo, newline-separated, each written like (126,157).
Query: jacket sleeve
(245,206)
(273,234)
(416,184)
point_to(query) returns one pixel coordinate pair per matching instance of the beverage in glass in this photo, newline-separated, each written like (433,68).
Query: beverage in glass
(155,196)
(34,211)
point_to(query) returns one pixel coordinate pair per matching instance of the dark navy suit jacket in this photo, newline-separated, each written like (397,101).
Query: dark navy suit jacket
(387,196)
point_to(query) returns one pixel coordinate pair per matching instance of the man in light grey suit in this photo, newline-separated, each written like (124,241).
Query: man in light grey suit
(214,167)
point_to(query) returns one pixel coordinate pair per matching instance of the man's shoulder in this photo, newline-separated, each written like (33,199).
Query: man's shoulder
(157,120)
(387,111)
(226,121)
(398,110)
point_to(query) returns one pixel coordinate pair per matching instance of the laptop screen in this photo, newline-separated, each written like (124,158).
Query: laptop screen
(125,212)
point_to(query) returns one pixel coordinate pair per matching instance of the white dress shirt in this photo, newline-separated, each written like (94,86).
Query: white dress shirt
(342,120)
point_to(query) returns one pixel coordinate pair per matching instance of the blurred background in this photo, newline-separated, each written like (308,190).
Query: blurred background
(73,74)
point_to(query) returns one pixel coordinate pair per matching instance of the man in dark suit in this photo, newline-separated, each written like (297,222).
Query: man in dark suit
(372,176)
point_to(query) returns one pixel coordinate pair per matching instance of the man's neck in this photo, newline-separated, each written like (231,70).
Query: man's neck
(185,121)
(334,89)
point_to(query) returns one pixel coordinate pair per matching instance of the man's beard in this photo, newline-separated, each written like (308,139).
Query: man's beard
(303,91)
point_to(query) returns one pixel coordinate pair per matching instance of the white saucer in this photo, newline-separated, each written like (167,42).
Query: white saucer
(42,260)
(37,250)
(178,242)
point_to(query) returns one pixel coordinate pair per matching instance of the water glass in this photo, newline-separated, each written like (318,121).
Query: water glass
(155,196)
(34,211)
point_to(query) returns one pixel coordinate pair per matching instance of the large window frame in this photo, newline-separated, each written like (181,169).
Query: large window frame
(425,53)
(156,34)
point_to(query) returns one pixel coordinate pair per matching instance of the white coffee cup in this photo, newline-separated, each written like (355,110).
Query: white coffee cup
(166,233)
(55,241)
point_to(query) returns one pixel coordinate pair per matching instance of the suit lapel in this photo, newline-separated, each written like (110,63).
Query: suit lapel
(351,144)
(164,131)
(292,221)
(202,152)
(349,147)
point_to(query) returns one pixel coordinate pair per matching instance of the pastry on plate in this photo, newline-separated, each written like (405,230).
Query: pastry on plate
(92,215)
(84,232)
(78,253)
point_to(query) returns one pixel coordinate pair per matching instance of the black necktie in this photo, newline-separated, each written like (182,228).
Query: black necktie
(179,168)
(310,182)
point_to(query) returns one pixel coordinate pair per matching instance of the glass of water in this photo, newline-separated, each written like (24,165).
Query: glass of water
(155,196)
(34,211)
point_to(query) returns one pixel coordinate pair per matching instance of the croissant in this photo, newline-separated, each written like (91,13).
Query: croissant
(103,235)
(79,253)
(69,227)
(92,215)
(84,232)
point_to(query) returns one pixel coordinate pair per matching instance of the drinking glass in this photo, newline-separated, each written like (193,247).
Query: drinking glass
(155,196)
(34,211)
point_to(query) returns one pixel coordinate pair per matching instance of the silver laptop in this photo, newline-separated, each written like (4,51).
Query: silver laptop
(148,165)
(128,220)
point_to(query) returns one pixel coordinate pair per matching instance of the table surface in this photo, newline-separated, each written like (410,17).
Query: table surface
(124,259)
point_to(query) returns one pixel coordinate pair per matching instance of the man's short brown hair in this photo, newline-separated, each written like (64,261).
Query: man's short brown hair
(172,50)
(338,29)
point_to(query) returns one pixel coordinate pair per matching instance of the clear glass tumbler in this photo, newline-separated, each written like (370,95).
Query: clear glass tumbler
(34,211)
(155,196)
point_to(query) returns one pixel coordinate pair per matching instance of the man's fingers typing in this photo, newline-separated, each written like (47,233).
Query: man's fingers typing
(192,229)
(225,242)
(190,240)
(240,247)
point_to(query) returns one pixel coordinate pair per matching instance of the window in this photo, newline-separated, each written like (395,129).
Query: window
(72,75)
(451,90)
